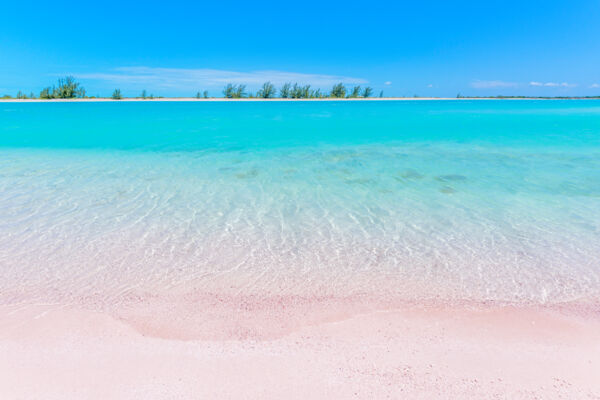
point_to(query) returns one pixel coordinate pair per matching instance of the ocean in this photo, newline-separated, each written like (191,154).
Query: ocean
(450,201)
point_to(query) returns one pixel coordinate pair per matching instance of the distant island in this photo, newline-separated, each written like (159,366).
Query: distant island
(69,89)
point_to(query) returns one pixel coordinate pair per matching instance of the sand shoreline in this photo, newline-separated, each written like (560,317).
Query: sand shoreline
(405,353)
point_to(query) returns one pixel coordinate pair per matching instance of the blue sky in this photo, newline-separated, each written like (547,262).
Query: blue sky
(176,48)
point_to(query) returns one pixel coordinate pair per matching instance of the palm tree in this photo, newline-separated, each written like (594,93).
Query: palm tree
(267,91)
(117,94)
(205,94)
(381,94)
(143,95)
(367,92)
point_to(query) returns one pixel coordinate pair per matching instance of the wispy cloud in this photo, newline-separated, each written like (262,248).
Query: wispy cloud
(175,78)
(477,84)
(595,85)
(387,83)
(552,84)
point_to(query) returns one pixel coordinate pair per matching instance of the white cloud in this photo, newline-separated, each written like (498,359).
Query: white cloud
(430,85)
(197,78)
(552,84)
(387,83)
(595,85)
(492,84)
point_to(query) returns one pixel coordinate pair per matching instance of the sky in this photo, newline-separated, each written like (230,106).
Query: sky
(405,48)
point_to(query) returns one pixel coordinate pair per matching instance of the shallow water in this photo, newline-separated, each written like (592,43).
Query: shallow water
(450,200)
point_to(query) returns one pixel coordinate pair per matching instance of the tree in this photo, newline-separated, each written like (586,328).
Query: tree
(300,92)
(234,91)
(198,95)
(317,94)
(117,94)
(31,95)
(68,88)
(143,95)
(355,92)
(205,94)
(267,91)
(285,90)
(367,92)
(381,94)
(21,95)
(338,90)
(295,91)
(240,91)
(229,91)
(46,93)
(305,92)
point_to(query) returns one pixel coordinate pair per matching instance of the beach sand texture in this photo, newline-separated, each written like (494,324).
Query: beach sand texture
(300,250)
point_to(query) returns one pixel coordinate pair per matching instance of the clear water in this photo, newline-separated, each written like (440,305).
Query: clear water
(452,200)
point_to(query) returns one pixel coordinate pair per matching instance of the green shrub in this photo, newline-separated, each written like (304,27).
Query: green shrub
(68,88)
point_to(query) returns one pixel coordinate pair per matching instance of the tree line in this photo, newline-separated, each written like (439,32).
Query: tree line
(69,88)
(296,91)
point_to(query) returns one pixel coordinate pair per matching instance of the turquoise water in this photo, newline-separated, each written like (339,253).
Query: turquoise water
(452,200)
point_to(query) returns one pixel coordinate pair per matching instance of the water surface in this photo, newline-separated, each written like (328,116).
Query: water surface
(452,200)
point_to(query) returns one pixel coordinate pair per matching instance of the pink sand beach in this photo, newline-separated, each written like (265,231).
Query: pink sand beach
(316,250)
(260,348)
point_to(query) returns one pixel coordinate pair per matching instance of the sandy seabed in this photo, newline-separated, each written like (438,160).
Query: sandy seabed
(224,348)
